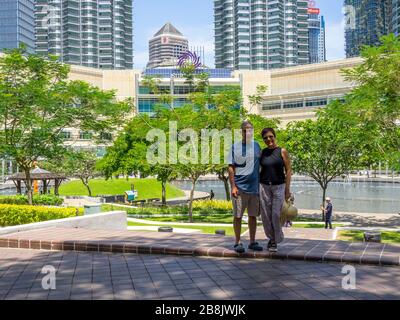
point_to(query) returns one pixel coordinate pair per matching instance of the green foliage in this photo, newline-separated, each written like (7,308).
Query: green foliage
(12,215)
(38,200)
(213,205)
(372,109)
(37,101)
(76,164)
(323,149)
(256,99)
(358,236)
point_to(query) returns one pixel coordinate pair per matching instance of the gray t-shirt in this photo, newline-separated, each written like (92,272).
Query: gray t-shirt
(245,157)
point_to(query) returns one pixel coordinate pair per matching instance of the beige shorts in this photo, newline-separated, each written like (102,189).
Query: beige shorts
(248,201)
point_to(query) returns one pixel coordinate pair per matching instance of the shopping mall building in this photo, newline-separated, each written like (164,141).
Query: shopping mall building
(293,94)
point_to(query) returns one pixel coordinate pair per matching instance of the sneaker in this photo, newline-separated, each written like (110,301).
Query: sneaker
(255,247)
(273,247)
(269,244)
(239,248)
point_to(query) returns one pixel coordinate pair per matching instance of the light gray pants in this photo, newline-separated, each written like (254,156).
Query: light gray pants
(272,199)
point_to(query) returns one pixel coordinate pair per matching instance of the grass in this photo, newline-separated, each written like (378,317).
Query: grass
(200,215)
(358,236)
(147,188)
(204,229)
(315,225)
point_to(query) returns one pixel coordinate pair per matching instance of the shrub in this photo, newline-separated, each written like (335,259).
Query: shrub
(12,215)
(38,200)
(213,204)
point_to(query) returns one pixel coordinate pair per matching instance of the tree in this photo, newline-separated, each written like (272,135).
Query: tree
(256,99)
(152,83)
(188,72)
(373,106)
(322,149)
(37,102)
(77,164)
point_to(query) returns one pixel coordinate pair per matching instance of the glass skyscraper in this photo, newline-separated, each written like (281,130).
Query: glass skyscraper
(17,24)
(261,34)
(92,33)
(366,22)
(316,31)
(396,16)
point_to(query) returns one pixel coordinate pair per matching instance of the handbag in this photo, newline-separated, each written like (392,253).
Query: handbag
(289,211)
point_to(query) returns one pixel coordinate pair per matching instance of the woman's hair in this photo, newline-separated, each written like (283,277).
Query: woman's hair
(266,130)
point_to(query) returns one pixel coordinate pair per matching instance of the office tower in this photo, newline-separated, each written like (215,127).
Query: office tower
(316,32)
(17,24)
(165,48)
(396,16)
(92,33)
(366,22)
(261,34)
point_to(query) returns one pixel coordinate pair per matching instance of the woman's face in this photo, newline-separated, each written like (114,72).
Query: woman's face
(269,139)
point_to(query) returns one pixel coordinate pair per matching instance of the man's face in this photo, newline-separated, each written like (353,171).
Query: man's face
(248,133)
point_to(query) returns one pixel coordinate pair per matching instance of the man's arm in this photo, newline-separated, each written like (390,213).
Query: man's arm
(231,171)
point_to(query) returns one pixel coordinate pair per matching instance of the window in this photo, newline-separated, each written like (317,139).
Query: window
(85,135)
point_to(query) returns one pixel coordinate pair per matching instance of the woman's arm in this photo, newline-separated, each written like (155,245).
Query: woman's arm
(288,171)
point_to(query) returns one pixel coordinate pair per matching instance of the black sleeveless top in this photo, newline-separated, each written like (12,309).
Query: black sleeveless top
(272,167)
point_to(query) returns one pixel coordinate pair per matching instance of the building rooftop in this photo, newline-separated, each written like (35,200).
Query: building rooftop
(168,28)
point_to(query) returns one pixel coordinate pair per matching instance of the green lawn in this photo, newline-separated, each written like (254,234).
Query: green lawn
(358,236)
(315,225)
(204,229)
(147,188)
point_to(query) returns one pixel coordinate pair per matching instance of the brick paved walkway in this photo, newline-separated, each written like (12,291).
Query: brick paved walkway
(84,275)
(82,240)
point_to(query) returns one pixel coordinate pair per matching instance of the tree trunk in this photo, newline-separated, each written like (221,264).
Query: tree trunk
(28,184)
(227,189)
(164,192)
(323,202)
(191,201)
(86,183)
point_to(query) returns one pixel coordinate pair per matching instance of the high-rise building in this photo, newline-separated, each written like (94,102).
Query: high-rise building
(366,22)
(92,33)
(396,16)
(165,48)
(17,24)
(316,33)
(261,34)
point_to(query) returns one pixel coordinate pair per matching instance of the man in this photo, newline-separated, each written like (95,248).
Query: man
(244,177)
(328,213)
(212,195)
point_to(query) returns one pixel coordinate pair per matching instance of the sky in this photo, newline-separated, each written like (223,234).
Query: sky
(195,19)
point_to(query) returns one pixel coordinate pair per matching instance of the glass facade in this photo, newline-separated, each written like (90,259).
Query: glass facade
(172,83)
(17,24)
(168,73)
(396,16)
(261,35)
(366,22)
(316,32)
(310,102)
(91,33)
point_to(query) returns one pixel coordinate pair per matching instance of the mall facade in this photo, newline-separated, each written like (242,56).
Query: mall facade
(294,93)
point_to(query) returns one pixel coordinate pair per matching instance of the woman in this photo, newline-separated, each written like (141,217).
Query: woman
(275,178)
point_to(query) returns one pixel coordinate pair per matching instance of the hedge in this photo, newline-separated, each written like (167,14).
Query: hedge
(38,200)
(13,215)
